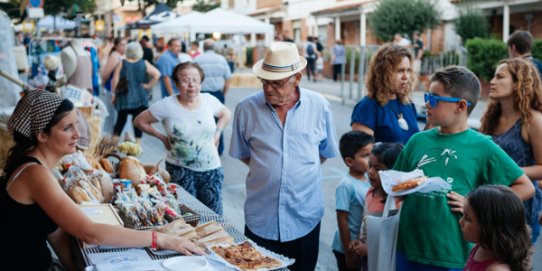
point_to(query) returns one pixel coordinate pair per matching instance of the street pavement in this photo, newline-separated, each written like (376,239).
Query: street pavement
(333,170)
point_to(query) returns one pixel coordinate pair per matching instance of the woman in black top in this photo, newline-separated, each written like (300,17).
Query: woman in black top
(33,206)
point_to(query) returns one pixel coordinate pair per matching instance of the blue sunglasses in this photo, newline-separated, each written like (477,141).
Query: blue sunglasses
(433,100)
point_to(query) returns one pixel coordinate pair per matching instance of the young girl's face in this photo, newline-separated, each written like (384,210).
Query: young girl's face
(374,167)
(469,224)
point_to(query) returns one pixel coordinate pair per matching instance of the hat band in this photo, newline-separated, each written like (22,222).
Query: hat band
(273,68)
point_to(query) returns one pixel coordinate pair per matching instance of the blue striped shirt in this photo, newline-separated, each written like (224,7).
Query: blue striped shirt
(216,70)
(284,190)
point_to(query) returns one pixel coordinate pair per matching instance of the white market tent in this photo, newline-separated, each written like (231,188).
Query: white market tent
(224,22)
(56,22)
(179,24)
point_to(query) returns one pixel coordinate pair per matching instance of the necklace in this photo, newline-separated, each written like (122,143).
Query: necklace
(400,120)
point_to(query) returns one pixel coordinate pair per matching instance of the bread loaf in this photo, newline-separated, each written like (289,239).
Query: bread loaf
(106,165)
(131,169)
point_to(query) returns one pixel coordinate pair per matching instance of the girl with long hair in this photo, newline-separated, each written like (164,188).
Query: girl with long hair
(514,120)
(494,219)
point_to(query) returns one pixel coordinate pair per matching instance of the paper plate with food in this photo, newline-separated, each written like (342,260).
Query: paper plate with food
(247,256)
(398,183)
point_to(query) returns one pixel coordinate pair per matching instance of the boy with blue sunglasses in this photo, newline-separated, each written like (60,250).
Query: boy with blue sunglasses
(430,237)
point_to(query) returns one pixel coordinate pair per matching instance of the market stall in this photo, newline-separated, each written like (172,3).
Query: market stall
(118,189)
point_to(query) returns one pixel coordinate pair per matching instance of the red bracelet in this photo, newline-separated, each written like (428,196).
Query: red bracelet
(154,244)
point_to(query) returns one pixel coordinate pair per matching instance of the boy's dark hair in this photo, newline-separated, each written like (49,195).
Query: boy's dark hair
(459,82)
(387,153)
(352,142)
(145,38)
(503,229)
(522,41)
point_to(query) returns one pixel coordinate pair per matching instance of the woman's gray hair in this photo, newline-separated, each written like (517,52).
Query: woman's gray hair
(134,51)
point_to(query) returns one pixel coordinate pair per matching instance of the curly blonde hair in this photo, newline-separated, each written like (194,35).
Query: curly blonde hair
(527,95)
(381,73)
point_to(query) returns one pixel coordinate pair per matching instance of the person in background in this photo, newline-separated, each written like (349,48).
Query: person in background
(160,47)
(387,112)
(183,56)
(116,55)
(191,136)
(194,49)
(428,227)
(520,44)
(217,76)
(35,208)
(311,53)
(355,147)
(283,134)
(499,231)
(514,119)
(135,100)
(148,54)
(339,59)
(399,40)
(165,64)
(383,157)
(417,44)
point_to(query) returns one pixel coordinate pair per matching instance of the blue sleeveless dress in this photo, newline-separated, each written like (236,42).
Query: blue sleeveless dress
(522,153)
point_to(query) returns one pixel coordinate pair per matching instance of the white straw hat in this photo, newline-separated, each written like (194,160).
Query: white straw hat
(281,61)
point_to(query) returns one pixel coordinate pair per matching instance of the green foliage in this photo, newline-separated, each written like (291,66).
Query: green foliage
(403,16)
(472,23)
(204,6)
(250,61)
(484,54)
(69,7)
(537,49)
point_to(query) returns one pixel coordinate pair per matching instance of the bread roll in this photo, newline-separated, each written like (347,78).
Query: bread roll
(106,165)
(131,169)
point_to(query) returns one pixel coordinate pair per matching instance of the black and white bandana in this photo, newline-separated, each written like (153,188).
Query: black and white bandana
(33,112)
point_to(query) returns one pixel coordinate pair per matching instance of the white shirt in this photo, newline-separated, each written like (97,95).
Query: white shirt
(190,132)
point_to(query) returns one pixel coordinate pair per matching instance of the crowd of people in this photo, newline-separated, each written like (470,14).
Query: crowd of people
(283,134)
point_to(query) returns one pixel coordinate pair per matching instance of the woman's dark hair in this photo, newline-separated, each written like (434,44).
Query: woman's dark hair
(24,144)
(503,228)
(116,42)
(183,66)
(387,153)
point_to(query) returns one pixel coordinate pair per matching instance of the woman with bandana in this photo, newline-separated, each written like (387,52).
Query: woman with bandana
(387,112)
(33,206)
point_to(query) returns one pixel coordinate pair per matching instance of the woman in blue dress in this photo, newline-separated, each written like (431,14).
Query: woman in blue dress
(514,120)
(387,112)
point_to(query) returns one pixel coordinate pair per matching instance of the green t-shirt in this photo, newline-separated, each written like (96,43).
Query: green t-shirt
(429,231)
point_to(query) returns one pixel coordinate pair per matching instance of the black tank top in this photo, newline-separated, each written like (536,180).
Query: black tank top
(23,230)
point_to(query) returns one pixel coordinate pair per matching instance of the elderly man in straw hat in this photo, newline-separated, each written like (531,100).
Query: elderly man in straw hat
(283,134)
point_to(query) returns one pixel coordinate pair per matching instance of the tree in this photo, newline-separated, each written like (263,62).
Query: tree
(204,6)
(403,16)
(471,23)
(70,7)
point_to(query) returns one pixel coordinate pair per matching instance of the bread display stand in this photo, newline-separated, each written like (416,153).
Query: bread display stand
(205,215)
